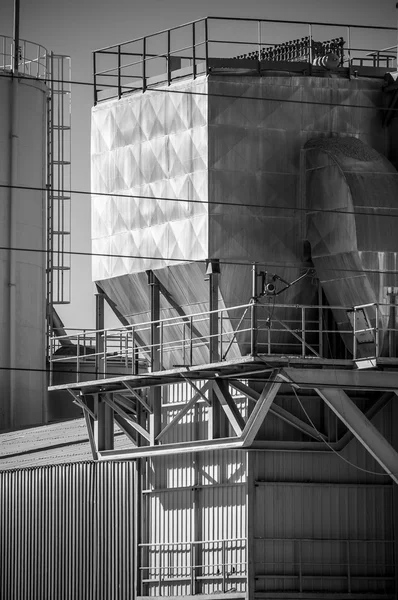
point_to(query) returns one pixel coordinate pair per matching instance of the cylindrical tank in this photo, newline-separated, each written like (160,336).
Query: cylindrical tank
(22,273)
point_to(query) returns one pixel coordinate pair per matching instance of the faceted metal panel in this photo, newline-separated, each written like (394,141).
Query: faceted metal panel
(151,146)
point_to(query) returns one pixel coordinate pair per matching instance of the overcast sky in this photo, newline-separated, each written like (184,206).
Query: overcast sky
(78,27)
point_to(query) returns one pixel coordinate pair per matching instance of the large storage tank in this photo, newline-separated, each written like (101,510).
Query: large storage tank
(22,225)
(212,168)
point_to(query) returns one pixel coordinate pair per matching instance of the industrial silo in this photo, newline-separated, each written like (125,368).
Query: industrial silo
(207,166)
(23,126)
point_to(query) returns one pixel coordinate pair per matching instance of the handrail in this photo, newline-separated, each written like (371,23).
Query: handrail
(269,329)
(251,20)
(201,36)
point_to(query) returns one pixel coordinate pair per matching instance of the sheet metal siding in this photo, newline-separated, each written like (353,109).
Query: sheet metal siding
(66,532)
(196,497)
(317,509)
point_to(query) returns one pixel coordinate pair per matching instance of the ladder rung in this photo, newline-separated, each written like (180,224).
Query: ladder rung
(60,268)
(61,232)
(61,127)
(61,162)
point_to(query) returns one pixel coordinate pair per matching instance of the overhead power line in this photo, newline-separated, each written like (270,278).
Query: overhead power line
(214,202)
(243,263)
(168,90)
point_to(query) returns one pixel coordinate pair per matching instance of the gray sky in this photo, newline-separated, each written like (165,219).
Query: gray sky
(78,27)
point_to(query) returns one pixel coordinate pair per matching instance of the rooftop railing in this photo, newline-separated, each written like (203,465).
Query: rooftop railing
(194,48)
(304,331)
(32,57)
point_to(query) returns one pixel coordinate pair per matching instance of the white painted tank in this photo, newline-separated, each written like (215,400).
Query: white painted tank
(22,274)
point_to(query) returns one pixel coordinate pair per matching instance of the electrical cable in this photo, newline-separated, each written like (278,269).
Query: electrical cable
(211,202)
(206,94)
(321,437)
(222,261)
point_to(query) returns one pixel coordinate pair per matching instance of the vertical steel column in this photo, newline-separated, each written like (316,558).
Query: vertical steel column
(217,419)
(155,391)
(103,426)
(99,337)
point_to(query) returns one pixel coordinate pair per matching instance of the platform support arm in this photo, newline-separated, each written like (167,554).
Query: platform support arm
(376,444)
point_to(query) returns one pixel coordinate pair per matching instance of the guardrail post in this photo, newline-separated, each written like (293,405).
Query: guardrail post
(303,331)
(354,341)
(193,51)
(206,45)
(253,314)
(95,77)
(168,58)
(78,359)
(392,338)
(377,333)
(119,78)
(144,64)
(99,326)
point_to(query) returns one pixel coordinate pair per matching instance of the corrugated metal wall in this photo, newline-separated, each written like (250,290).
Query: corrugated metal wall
(67,532)
(323,525)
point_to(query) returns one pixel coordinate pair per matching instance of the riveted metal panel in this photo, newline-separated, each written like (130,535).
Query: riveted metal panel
(67,532)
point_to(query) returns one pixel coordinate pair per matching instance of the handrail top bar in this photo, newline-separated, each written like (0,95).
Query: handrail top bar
(186,318)
(209,18)
(9,37)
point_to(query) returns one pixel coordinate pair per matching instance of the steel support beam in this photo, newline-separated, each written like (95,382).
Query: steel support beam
(168,449)
(128,418)
(229,406)
(374,442)
(103,426)
(261,409)
(183,411)
(343,379)
(279,412)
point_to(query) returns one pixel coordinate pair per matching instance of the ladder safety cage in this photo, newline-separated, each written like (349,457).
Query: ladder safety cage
(59,180)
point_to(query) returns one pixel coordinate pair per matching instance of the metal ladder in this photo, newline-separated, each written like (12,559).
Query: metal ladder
(58,281)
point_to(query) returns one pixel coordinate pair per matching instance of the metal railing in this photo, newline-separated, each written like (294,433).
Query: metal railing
(220,563)
(193,48)
(32,57)
(357,564)
(254,328)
